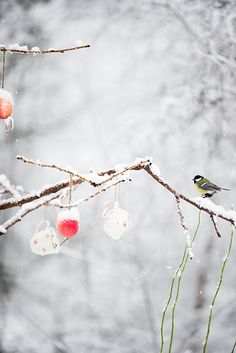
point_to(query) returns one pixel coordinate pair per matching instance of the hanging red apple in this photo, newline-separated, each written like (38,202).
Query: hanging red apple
(68,222)
(6,104)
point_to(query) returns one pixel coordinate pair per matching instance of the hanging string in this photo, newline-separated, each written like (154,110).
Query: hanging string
(3,68)
(46,211)
(70,190)
(69,201)
(117,192)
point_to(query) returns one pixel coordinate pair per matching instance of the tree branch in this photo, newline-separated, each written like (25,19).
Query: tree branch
(119,173)
(229,216)
(95,179)
(53,166)
(48,51)
(184,226)
(24,210)
(215,226)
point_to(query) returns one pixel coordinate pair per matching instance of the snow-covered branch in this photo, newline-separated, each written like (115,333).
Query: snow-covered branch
(94,179)
(6,187)
(184,226)
(205,205)
(108,178)
(25,209)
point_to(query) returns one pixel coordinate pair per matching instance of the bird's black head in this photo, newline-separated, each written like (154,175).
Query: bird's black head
(197,178)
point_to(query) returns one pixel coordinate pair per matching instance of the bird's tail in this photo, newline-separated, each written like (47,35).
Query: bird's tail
(225,189)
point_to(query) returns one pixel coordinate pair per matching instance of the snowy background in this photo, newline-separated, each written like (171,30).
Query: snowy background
(159,80)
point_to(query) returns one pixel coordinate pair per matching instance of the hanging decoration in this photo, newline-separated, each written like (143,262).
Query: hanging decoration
(45,241)
(68,221)
(6,101)
(116,220)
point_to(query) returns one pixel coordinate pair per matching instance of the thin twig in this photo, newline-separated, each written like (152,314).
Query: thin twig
(217,290)
(53,166)
(25,210)
(215,226)
(12,202)
(184,226)
(7,187)
(48,51)
(79,202)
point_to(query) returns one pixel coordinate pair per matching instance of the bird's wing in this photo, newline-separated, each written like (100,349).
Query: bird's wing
(210,186)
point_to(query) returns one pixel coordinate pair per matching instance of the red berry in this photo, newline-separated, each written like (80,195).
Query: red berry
(67,227)
(5,108)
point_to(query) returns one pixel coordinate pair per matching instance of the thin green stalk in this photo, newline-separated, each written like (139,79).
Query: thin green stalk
(180,274)
(233,347)
(175,302)
(182,263)
(217,291)
(169,299)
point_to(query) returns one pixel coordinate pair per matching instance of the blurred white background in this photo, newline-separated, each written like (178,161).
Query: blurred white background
(159,80)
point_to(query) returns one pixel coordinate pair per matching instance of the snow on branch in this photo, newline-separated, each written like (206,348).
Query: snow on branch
(107,179)
(25,209)
(17,49)
(203,204)
(184,226)
(94,179)
(7,188)
(53,166)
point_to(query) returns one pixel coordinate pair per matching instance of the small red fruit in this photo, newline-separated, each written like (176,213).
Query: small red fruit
(68,223)
(67,227)
(5,108)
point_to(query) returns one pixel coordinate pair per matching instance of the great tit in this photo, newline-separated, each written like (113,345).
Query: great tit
(205,187)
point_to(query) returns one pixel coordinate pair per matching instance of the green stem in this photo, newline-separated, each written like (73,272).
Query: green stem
(169,299)
(233,347)
(175,302)
(217,291)
(182,263)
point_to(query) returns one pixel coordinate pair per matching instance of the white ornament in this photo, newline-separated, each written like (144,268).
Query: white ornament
(116,220)
(45,242)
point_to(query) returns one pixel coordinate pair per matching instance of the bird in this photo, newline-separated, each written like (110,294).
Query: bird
(205,187)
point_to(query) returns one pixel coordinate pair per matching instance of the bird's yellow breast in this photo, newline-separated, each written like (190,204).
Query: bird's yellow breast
(200,190)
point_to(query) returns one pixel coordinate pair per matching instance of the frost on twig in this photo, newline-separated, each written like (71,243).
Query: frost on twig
(79,202)
(24,210)
(7,188)
(185,228)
